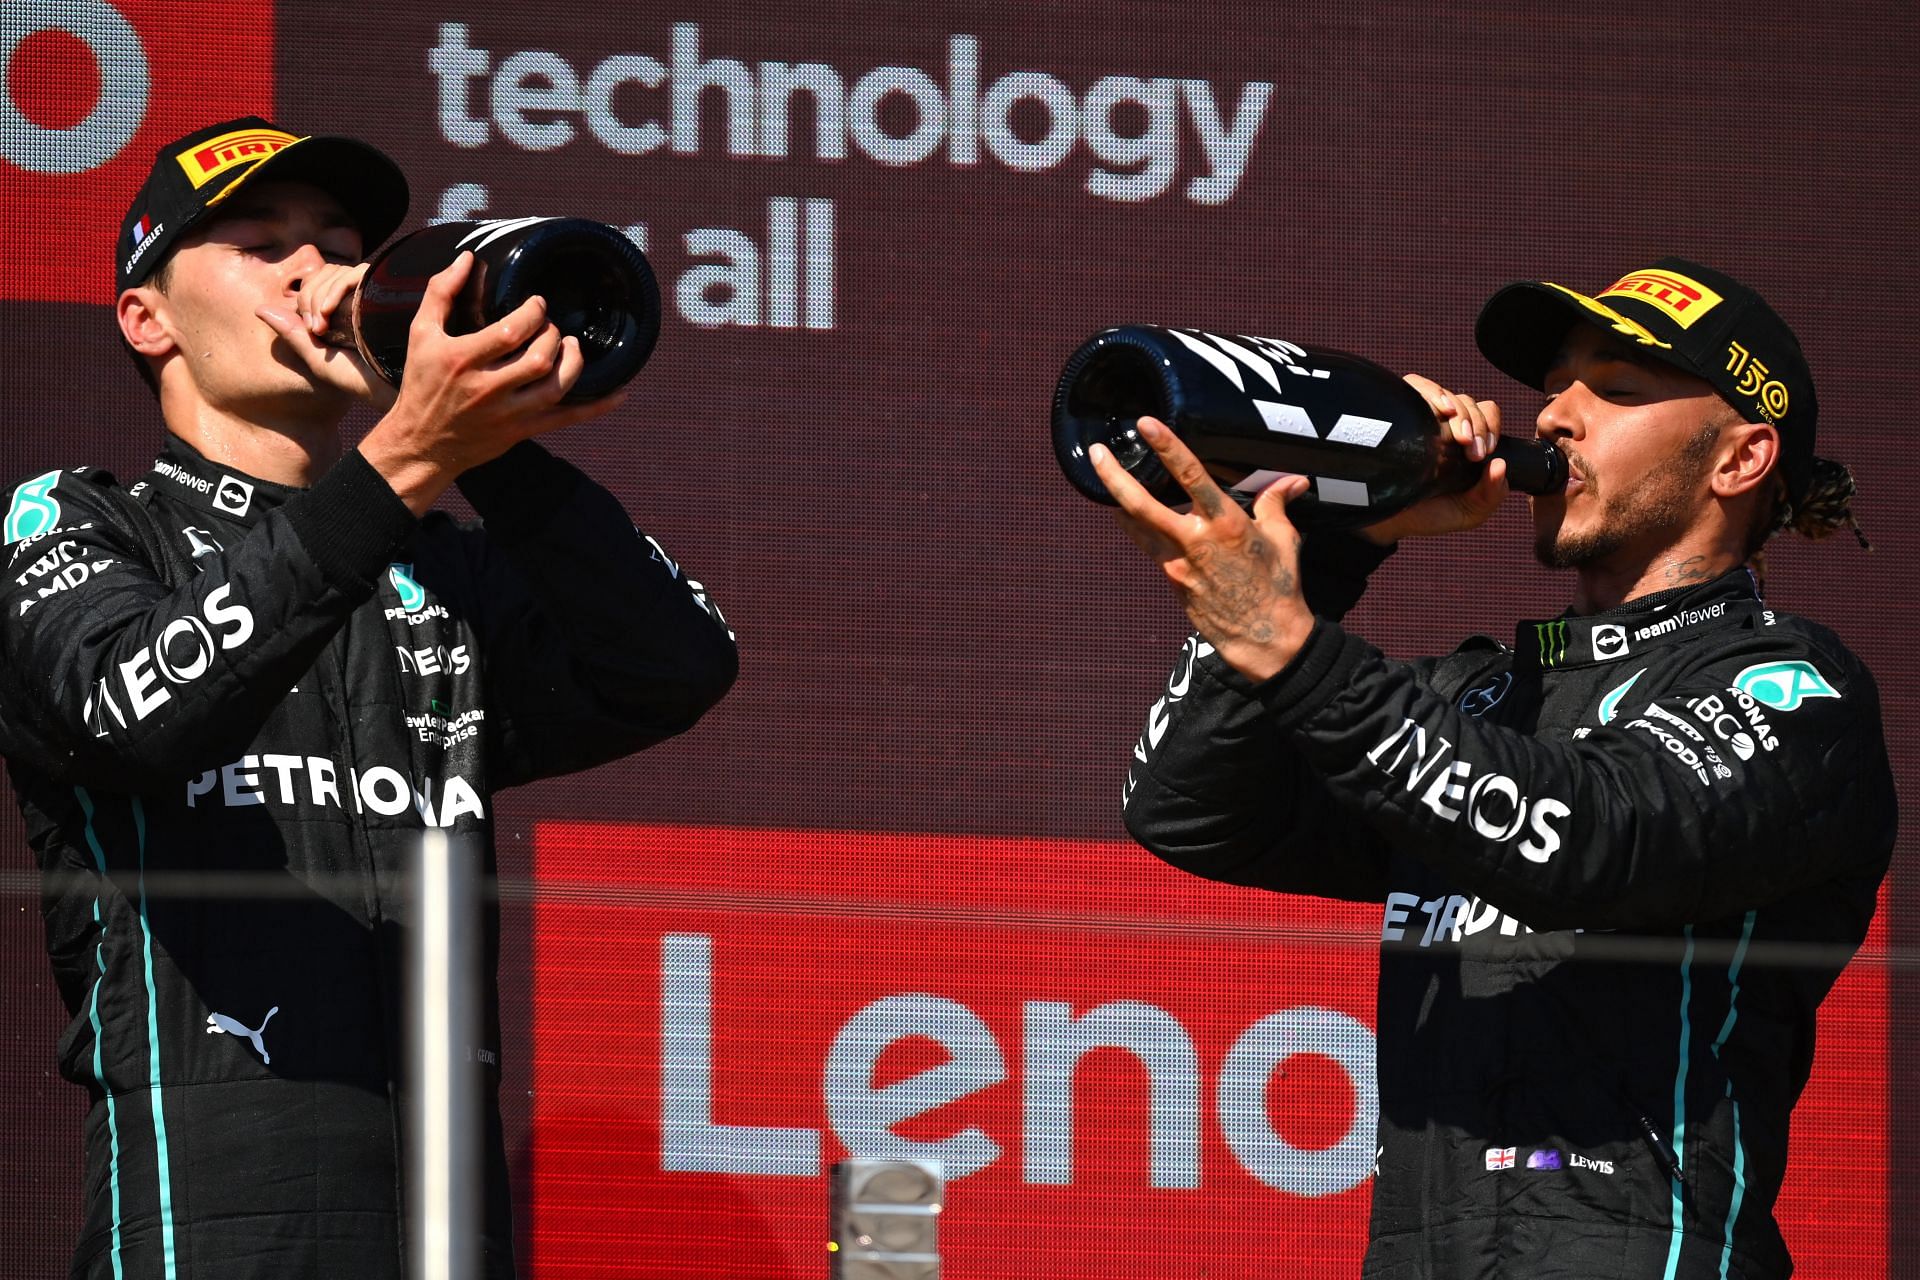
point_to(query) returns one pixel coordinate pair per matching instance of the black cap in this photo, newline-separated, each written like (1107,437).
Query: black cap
(1689,316)
(192,175)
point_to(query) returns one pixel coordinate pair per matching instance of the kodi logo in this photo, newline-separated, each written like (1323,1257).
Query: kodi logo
(89,90)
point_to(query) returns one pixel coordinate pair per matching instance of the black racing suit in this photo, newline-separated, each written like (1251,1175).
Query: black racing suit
(1621,863)
(208,673)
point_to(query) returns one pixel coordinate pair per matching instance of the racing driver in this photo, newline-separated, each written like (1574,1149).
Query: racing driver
(1622,860)
(234,693)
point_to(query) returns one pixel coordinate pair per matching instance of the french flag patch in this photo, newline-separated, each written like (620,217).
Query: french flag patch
(140,228)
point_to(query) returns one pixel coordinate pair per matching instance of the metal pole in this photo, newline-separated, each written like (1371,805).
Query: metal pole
(883,1219)
(444,1017)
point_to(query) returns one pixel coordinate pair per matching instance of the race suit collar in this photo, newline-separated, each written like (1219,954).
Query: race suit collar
(183,473)
(1638,625)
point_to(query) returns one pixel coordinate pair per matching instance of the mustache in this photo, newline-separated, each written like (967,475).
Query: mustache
(1575,462)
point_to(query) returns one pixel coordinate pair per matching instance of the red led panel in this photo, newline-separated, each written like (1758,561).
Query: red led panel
(718,1014)
(95,89)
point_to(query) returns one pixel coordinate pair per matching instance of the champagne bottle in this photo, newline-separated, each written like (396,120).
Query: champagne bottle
(597,284)
(1251,408)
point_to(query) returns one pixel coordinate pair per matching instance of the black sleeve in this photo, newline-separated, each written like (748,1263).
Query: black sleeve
(1755,769)
(1334,569)
(595,644)
(118,679)
(1215,789)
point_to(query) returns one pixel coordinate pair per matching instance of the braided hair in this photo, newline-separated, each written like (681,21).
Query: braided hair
(1825,509)
(1827,506)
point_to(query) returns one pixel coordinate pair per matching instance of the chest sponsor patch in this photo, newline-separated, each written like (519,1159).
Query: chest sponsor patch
(233,495)
(1445,919)
(186,649)
(284,780)
(63,566)
(1784,685)
(1609,641)
(1481,699)
(1679,621)
(1610,705)
(34,509)
(203,542)
(412,594)
(1493,805)
(415,608)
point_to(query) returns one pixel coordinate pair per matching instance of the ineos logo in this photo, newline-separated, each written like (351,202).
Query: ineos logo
(124,81)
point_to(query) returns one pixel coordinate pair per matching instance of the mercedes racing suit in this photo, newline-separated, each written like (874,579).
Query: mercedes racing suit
(229,711)
(1621,863)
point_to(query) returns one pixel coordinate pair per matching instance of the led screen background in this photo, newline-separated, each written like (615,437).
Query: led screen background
(909,805)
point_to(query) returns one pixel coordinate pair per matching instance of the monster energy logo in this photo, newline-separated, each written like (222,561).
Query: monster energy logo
(1553,641)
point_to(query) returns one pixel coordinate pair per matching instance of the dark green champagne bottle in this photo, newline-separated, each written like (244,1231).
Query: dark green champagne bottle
(597,284)
(1253,408)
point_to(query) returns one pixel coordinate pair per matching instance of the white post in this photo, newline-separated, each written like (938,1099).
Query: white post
(883,1219)
(441,1086)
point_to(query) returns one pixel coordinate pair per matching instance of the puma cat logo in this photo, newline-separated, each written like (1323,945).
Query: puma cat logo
(221,1024)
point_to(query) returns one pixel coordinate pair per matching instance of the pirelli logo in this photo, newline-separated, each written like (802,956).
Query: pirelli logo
(1683,298)
(230,150)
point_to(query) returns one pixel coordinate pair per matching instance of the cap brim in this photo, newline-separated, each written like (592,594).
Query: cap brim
(368,185)
(1522,327)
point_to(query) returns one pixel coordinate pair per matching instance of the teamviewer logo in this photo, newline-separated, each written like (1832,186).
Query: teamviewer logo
(1609,641)
(233,496)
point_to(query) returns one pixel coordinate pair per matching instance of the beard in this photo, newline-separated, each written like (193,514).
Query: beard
(1663,500)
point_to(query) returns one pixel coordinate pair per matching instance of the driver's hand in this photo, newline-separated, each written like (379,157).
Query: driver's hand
(313,325)
(1475,427)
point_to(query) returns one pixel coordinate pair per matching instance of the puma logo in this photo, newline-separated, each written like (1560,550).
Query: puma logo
(221,1024)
